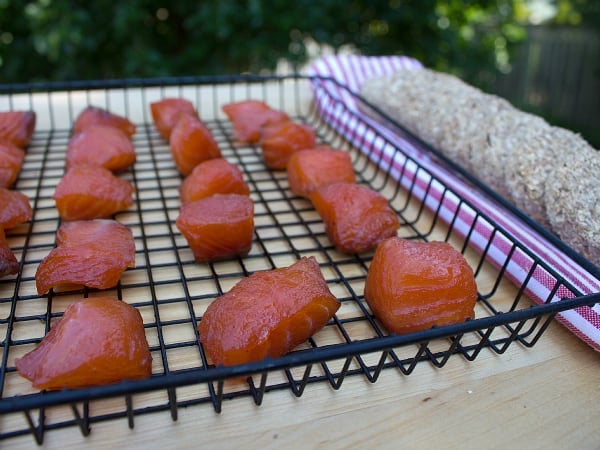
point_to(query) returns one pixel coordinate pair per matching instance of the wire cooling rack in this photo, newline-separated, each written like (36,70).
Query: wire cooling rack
(172,291)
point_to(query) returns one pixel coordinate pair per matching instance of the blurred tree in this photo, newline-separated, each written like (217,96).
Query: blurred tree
(71,39)
(577,12)
(76,39)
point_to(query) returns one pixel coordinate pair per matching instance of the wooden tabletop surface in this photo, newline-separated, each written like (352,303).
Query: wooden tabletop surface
(546,397)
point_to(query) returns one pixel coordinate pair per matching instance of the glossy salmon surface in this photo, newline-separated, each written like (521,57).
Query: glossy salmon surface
(320,166)
(279,141)
(356,217)
(267,314)
(90,192)
(215,176)
(11,160)
(166,114)
(8,262)
(98,341)
(101,145)
(91,253)
(248,117)
(412,285)
(93,115)
(192,143)
(17,127)
(218,227)
(15,208)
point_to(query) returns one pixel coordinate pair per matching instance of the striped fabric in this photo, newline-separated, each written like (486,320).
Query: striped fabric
(432,185)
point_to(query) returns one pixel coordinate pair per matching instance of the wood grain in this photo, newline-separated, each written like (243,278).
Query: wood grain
(546,397)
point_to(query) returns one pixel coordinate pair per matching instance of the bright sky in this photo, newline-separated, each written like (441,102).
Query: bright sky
(541,10)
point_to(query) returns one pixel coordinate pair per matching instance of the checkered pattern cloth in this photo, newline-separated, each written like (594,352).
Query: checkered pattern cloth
(432,183)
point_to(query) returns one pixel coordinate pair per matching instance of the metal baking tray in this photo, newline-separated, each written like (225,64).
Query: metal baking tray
(171,290)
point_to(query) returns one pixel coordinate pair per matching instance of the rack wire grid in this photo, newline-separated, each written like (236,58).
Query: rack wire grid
(172,291)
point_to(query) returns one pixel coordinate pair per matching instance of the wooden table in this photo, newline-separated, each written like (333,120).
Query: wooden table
(544,397)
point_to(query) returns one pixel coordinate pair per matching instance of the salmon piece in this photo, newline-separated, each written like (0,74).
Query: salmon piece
(101,145)
(11,161)
(356,217)
(97,233)
(8,262)
(218,227)
(93,115)
(320,166)
(267,314)
(17,127)
(98,341)
(166,114)
(91,253)
(249,116)
(192,143)
(14,208)
(279,141)
(412,286)
(215,176)
(90,192)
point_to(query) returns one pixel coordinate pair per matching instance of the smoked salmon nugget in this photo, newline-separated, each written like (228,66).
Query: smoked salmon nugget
(192,143)
(14,208)
(101,145)
(279,141)
(93,115)
(91,253)
(218,227)
(17,127)
(8,262)
(356,217)
(98,341)
(166,114)
(412,286)
(90,192)
(267,314)
(215,176)
(249,116)
(319,166)
(11,161)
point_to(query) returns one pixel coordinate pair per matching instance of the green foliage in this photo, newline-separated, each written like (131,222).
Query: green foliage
(70,39)
(577,12)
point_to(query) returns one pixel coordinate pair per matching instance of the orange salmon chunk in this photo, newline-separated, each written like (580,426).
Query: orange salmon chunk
(356,217)
(279,141)
(267,314)
(15,208)
(101,145)
(319,166)
(98,341)
(249,117)
(218,227)
(17,127)
(166,114)
(11,161)
(215,176)
(8,262)
(192,143)
(412,286)
(93,115)
(90,192)
(91,253)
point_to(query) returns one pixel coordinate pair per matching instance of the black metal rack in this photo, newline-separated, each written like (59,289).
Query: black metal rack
(171,291)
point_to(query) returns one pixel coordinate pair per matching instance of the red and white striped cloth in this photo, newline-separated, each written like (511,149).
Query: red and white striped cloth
(430,184)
